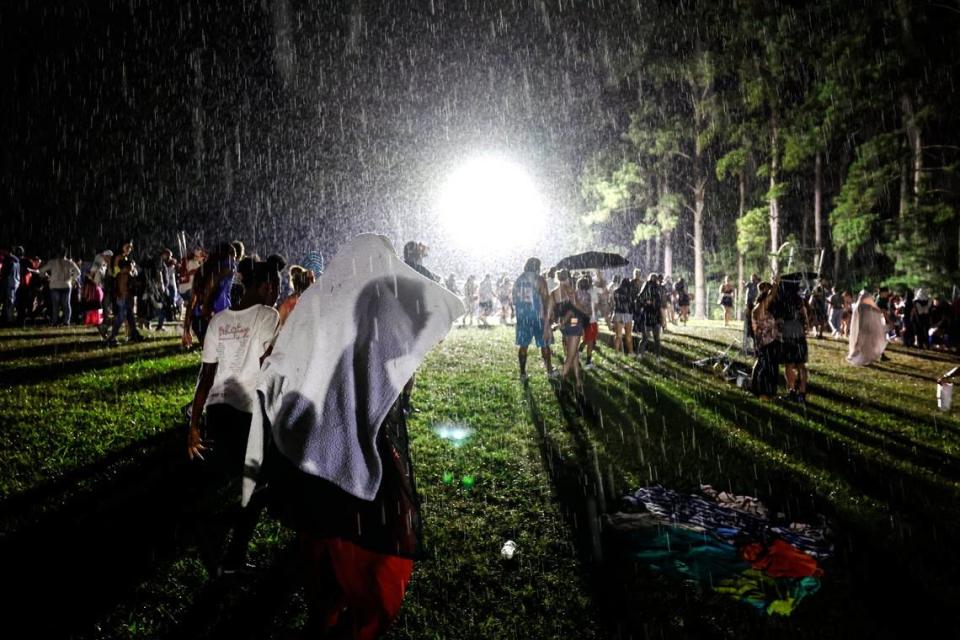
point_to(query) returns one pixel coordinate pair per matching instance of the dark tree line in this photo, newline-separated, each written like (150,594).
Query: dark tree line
(761,130)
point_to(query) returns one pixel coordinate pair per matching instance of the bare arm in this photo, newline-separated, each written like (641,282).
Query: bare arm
(195,446)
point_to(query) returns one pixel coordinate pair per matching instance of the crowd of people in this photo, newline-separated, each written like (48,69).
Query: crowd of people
(233,306)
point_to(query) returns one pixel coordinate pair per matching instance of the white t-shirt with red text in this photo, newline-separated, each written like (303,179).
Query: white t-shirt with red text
(235,341)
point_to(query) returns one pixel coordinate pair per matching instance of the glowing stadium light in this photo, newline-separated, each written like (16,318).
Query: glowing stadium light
(491,205)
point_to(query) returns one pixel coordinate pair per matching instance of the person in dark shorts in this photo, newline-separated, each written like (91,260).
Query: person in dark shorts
(726,300)
(683,300)
(792,317)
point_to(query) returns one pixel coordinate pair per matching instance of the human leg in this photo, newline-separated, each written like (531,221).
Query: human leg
(628,332)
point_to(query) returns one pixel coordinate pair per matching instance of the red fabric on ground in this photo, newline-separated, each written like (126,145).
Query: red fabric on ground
(780,560)
(354,593)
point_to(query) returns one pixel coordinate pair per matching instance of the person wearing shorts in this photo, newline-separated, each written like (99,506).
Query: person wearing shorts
(592,329)
(624,297)
(726,300)
(530,300)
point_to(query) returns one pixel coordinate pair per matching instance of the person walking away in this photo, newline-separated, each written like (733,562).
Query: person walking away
(726,300)
(9,283)
(343,478)
(683,300)
(650,302)
(168,267)
(669,302)
(596,294)
(791,314)
(186,270)
(766,367)
(818,308)
(922,308)
(212,285)
(868,333)
(469,300)
(234,347)
(451,284)
(62,273)
(835,301)
(504,288)
(623,305)
(571,312)
(123,297)
(485,296)
(751,291)
(300,280)
(27,293)
(532,303)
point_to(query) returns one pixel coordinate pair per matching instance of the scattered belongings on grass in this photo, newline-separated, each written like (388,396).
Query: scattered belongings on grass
(726,367)
(728,543)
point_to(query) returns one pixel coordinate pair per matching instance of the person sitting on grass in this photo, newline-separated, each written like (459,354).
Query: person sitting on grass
(235,344)
(531,301)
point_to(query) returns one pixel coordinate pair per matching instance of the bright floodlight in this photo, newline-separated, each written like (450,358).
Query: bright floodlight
(491,205)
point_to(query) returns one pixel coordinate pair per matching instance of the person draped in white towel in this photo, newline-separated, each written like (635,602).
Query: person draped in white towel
(867,332)
(330,439)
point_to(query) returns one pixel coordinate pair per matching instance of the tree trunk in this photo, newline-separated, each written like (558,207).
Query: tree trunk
(698,208)
(668,254)
(774,200)
(656,254)
(742,209)
(818,201)
(915,140)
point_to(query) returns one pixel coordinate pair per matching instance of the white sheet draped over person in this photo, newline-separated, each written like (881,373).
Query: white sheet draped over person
(868,335)
(338,465)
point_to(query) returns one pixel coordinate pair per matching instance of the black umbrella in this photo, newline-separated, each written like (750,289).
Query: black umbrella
(593,260)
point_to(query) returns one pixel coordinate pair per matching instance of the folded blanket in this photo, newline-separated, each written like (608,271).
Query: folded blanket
(350,345)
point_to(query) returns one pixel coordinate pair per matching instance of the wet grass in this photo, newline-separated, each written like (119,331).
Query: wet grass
(91,444)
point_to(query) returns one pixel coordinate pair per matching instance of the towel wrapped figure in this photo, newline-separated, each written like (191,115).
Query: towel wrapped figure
(328,438)
(868,335)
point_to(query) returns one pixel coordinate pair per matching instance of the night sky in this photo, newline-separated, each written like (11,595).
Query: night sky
(290,124)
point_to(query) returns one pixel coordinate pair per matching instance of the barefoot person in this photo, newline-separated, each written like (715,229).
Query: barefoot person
(531,302)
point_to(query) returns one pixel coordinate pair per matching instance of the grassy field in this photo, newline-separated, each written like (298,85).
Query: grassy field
(95,501)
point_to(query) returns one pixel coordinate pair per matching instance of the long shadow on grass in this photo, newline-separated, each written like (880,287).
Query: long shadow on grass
(85,345)
(31,374)
(89,552)
(869,580)
(795,436)
(244,606)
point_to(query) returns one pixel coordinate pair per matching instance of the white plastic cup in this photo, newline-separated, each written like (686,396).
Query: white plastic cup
(509,548)
(944,395)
